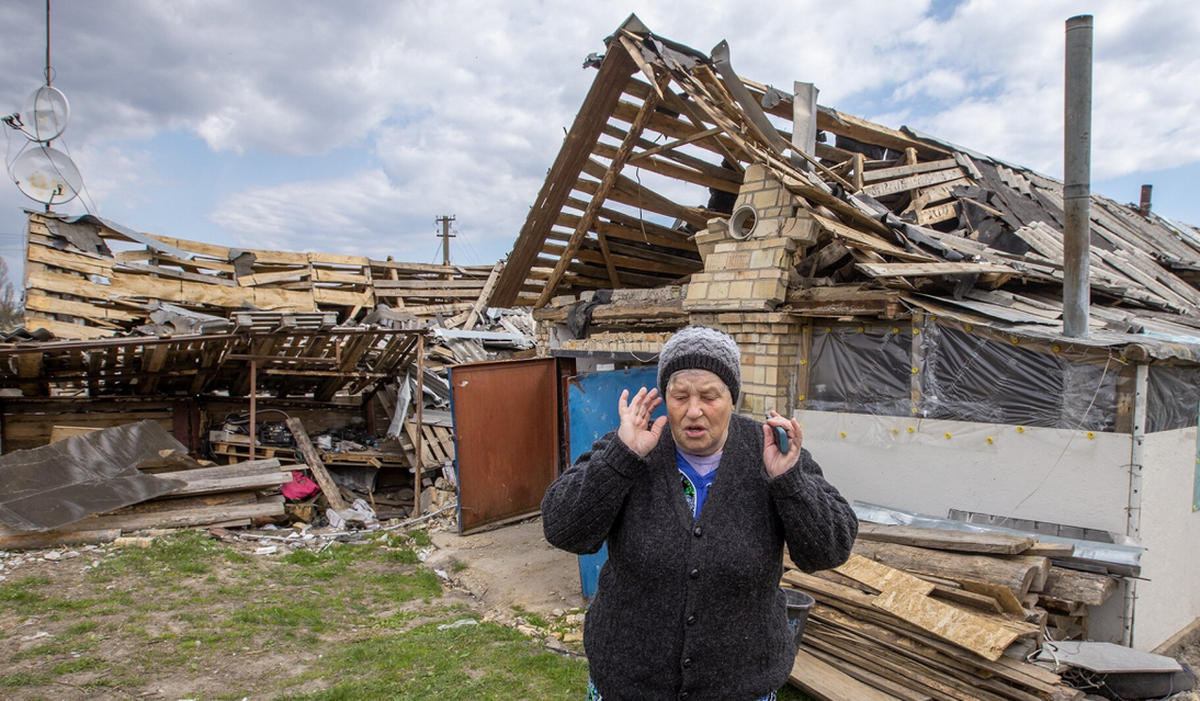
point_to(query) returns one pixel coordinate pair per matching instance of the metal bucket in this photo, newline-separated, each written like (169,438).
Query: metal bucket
(798,606)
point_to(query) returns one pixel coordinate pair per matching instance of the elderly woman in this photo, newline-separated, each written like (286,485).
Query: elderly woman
(689,604)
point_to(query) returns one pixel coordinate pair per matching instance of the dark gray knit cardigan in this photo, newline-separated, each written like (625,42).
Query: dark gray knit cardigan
(691,609)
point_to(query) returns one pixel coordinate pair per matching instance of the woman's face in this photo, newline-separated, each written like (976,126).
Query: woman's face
(698,408)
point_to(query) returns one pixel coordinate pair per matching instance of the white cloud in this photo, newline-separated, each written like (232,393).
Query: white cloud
(1011,56)
(460,107)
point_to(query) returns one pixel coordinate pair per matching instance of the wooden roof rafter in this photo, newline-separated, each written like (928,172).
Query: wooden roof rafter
(609,180)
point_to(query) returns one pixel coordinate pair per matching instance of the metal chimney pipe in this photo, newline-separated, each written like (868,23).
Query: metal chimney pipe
(1077,166)
(1144,207)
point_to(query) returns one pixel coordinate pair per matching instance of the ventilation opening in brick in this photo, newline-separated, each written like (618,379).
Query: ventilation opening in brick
(742,222)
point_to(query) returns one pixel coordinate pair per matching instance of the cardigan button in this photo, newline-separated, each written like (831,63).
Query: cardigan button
(697,531)
(694,573)
(687,662)
(683,695)
(691,620)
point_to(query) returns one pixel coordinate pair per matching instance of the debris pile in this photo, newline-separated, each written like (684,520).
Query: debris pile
(92,487)
(925,613)
(87,278)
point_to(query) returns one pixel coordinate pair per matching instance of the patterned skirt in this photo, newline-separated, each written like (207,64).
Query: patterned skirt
(594,695)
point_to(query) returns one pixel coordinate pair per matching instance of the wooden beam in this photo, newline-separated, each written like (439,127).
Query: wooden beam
(599,104)
(607,184)
(675,144)
(324,481)
(482,301)
(957,541)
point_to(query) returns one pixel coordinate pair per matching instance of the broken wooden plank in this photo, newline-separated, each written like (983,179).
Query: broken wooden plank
(966,630)
(1083,587)
(882,577)
(31,540)
(324,481)
(825,682)
(1014,575)
(893,187)
(873,176)
(884,270)
(937,539)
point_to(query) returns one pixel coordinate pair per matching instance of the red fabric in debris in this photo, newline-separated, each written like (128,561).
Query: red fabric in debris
(301,487)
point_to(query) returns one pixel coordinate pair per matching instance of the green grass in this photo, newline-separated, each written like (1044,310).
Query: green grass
(421,538)
(486,662)
(19,679)
(81,664)
(188,605)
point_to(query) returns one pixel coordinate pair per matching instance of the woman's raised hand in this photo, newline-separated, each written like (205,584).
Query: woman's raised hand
(774,460)
(636,432)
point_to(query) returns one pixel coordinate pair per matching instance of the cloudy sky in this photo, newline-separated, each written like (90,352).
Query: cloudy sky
(348,127)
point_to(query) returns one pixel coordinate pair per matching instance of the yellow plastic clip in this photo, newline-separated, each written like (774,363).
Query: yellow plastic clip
(947,436)
(1091,435)
(911,429)
(843,434)
(990,441)
(1020,429)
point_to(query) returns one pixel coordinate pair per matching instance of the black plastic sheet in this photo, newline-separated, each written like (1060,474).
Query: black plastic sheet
(969,377)
(61,483)
(864,370)
(1172,397)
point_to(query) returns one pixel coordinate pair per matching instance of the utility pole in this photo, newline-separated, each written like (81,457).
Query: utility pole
(446,236)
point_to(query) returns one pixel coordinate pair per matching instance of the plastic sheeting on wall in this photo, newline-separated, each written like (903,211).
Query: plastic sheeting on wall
(968,377)
(861,369)
(1172,398)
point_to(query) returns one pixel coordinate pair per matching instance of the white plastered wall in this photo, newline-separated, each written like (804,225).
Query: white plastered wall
(932,466)
(1045,474)
(1170,600)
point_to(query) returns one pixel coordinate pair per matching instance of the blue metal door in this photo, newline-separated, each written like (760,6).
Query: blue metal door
(592,412)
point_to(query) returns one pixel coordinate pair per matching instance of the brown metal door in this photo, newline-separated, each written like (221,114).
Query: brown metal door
(506,436)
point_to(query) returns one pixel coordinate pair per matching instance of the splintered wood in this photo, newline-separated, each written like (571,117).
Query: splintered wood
(940,622)
(78,288)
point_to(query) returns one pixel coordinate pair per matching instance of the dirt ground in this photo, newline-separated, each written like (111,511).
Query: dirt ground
(1188,652)
(510,567)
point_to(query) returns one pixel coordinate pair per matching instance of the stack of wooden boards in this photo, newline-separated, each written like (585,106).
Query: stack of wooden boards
(78,287)
(225,495)
(921,614)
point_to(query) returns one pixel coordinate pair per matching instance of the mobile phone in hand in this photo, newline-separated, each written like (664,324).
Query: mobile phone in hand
(781,437)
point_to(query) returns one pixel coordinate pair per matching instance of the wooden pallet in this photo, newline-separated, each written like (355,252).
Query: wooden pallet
(437,443)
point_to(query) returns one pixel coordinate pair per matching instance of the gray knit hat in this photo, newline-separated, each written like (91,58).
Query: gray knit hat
(701,348)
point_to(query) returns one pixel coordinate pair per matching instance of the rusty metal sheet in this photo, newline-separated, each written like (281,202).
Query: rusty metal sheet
(58,484)
(506,438)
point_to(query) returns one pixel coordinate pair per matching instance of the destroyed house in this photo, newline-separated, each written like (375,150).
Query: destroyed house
(235,354)
(900,295)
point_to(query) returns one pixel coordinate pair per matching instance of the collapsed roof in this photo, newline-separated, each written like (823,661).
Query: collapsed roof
(660,148)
